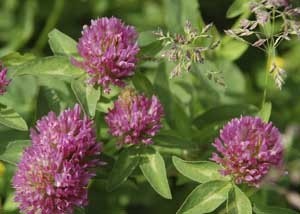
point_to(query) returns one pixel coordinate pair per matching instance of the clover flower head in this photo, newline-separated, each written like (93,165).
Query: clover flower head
(54,172)
(109,50)
(69,133)
(4,82)
(247,149)
(135,118)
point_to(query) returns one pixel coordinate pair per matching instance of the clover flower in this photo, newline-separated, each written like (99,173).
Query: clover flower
(4,82)
(54,172)
(68,133)
(247,149)
(135,119)
(109,50)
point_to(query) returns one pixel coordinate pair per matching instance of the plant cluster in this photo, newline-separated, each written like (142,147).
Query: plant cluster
(275,21)
(104,111)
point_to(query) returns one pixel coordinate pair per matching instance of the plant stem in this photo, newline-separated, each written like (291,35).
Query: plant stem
(268,67)
(270,55)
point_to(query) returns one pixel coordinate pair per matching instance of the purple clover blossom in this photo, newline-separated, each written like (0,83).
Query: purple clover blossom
(54,172)
(4,82)
(247,149)
(109,50)
(135,119)
(68,133)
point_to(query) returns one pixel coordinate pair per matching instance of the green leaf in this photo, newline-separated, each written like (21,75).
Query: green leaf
(127,161)
(223,113)
(10,118)
(237,8)
(87,96)
(79,89)
(232,74)
(151,49)
(181,122)
(199,171)
(47,100)
(53,96)
(92,97)
(177,12)
(207,134)
(153,167)
(238,202)
(272,210)
(146,38)
(172,14)
(162,89)
(265,112)
(104,106)
(14,151)
(16,58)
(231,48)
(62,44)
(10,205)
(172,139)
(203,71)
(205,198)
(190,10)
(142,84)
(58,66)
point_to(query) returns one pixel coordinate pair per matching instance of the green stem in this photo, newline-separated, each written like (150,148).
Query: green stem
(270,54)
(267,70)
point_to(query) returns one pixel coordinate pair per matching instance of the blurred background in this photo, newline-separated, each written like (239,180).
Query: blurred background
(24,28)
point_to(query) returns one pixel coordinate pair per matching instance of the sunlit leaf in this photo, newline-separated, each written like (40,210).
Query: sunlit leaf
(16,58)
(10,118)
(231,48)
(61,44)
(180,11)
(199,171)
(153,167)
(238,202)
(265,112)
(13,151)
(93,94)
(238,7)
(87,95)
(205,198)
(58,66)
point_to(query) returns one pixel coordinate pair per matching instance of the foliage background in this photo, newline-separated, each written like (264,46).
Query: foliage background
(24,27)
